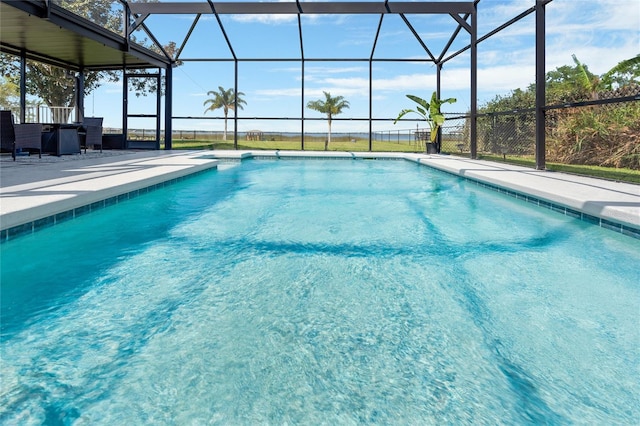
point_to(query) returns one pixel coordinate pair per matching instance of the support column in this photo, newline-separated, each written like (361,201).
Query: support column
(80,96)
(302,106)
(540,85)
(438,96)
(168,107)
(125,108)
(158,106)
(474,83)
(23,86)
(235,111)
(370,105)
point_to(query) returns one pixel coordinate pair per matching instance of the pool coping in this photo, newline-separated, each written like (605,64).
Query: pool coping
(61,192)
(75,188)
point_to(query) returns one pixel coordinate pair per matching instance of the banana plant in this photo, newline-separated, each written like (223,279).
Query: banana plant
(586,81)
(429,111)
(592,84)
(630,67)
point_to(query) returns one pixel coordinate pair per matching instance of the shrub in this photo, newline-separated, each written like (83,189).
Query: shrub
(604,135)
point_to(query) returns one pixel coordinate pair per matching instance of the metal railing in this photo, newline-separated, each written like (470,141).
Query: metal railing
(47,114)
(604,131)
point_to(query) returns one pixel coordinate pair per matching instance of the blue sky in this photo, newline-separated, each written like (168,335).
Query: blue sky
(599,32)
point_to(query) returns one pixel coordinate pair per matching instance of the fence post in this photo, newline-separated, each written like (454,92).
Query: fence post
(494,133)
(474,83)
(540,85)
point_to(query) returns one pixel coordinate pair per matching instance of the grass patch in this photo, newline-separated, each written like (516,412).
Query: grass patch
(610,173)
(358,145)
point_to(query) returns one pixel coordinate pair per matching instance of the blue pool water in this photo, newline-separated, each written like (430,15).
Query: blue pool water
(321,292)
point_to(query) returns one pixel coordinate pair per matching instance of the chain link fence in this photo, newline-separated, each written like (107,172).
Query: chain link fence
(603,132)
(507,134)
(600,135)
(455,136)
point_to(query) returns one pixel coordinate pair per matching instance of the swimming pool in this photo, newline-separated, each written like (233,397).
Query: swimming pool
(324,291)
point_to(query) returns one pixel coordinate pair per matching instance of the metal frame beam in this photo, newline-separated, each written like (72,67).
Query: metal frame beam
(168,107)
(373,50)
(453,37)
(417,36)
(214,10)
(23,86)
(496,30)
(474,84)
(302,70)
(188,36)
(296,7)
(80,96)
(540,84)
(459,11)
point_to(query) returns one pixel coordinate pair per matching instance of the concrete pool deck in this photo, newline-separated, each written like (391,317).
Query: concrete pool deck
(39,192)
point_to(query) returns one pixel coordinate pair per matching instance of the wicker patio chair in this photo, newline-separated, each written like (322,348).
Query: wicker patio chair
(91,133)
(16,137)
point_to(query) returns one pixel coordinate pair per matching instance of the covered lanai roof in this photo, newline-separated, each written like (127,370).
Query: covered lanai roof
(48,33)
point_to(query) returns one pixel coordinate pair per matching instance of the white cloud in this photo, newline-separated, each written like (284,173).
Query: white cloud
(289,92)
(598,59)
(272,19)
(497,79)
(334,70)
(407,82)
(111,87)
(600,33)
(587,15)
(505,78)
(357,86)
(286,69)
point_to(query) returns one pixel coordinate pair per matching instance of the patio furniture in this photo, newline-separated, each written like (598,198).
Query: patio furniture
(7,133)
(61,139)
(113,141)
(16,137)
(90,133)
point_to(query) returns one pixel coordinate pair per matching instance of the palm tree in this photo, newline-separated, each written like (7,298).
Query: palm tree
(225,99)
(330,106)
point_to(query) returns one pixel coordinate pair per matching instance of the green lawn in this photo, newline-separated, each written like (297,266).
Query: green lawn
(361,145)
(621,175)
